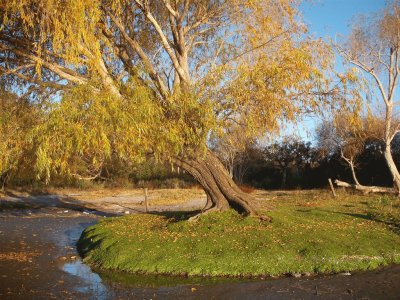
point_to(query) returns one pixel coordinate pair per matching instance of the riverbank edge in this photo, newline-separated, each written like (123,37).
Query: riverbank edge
(86,246)
(345,272)
(187,275)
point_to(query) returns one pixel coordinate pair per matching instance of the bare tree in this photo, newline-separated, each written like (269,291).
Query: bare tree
(338,136)
(374,48)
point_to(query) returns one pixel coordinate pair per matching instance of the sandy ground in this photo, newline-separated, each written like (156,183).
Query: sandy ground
(111,202)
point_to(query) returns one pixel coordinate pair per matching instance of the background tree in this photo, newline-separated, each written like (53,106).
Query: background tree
(373,46)
(288,154)
(157,77)
(351,137)
(246,158)
(233,148)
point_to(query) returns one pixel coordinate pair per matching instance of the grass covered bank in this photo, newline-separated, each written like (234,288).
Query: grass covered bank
(318,236)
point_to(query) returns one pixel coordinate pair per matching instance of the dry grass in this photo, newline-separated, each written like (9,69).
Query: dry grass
(247,189)
(267,200)
(156,196)
(174,196)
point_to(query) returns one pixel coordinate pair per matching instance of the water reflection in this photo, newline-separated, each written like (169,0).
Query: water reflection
(157,281)
(91,282)
(99,279)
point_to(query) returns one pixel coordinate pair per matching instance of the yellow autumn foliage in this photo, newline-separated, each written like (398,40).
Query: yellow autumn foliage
(132,78)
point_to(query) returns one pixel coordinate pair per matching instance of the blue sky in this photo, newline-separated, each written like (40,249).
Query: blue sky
(327,19)
(331,17)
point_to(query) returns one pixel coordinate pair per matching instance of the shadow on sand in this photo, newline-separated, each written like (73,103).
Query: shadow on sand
(32,202)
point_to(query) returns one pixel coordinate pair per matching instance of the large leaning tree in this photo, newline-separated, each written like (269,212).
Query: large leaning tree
(373,46)
(132,78)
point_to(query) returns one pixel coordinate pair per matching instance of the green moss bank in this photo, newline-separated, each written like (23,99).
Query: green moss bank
(299,240)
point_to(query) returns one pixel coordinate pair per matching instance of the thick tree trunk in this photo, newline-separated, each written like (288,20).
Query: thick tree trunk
(389,135)
(392,167)
(221,190)
(209,204)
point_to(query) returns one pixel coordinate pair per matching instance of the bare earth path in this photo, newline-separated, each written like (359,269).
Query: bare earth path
(38,260)
(113,203)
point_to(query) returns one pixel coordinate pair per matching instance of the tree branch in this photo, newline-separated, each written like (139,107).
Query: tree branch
(366,69)
(44,84)
(164,40)
(135,46)
(55,68)
(172,12)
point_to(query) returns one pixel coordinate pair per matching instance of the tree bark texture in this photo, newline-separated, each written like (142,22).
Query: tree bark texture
(221,190)
(389,135)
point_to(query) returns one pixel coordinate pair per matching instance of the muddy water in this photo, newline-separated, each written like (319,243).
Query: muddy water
(38,260)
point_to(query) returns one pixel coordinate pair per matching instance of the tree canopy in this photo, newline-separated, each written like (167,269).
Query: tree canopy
(128,78)
(18,118)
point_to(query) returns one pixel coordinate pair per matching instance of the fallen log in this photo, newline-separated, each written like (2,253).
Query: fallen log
(367,189)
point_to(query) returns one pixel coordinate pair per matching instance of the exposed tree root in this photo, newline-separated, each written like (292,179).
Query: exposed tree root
(264,218)
(216,209)
(203,213)
(209,204)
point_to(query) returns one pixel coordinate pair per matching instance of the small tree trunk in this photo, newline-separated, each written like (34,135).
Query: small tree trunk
(217,183)
(353,173)
(146,200)
(3,180)
(332,188)
(350,162)
(284,175)
(241,170)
